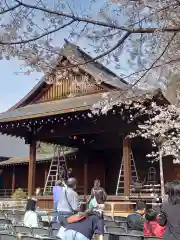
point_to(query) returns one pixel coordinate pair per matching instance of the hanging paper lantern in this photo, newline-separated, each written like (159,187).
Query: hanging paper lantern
(75,137)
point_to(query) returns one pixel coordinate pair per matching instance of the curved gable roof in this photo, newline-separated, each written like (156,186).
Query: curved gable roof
(73,53)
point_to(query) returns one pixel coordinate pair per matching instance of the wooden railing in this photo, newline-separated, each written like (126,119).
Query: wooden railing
(7,193)
(6,204)
(114,204)
(149,188)
(79,189)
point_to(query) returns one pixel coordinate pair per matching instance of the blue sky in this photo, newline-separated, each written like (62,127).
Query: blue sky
(13,87)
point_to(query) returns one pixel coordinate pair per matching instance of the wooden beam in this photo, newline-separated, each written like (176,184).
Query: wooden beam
(32,168)
(13,179)
(63,134)
(85,177)
(57,131)
(98,141)
(86,127)
(127,166)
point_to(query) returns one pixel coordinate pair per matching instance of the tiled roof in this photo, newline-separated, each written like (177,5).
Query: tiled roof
(13,147)
(62,106)
(39,158)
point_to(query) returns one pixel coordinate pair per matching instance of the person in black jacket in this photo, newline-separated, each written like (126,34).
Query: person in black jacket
(135,221)
(86,228)
(170,212)
(98,194)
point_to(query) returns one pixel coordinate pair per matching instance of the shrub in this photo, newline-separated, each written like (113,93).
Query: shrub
(19,194)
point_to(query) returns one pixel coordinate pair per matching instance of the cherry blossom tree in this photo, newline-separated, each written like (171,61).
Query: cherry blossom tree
(156,121)
(163,129)
(139,38)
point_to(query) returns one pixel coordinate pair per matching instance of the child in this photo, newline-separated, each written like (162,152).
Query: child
(151,226)
(135,221)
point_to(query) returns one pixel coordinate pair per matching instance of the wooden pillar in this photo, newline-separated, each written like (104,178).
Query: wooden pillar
(13,179)
(127,166)
(45,175)
(32,168)
(85,177)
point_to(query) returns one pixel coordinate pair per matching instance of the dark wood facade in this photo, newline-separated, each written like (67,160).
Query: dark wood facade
(101,164)
(61,114)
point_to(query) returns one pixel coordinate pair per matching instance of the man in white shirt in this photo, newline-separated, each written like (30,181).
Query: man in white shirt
(68,201)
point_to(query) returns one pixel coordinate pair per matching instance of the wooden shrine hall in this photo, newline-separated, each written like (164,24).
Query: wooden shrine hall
(61,114)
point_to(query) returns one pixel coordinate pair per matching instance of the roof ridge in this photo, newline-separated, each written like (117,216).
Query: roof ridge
(108,77)
(67,42)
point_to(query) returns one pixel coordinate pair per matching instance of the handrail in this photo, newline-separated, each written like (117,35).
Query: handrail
(6,193)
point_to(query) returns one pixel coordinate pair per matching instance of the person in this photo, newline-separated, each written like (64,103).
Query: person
(98,195)
(170,212)
(70,173)
(31,217)
(166,190)
(38,192)
(68,202)
(135,221)
(84,230)
(56,194)
(151,226)
(157,204)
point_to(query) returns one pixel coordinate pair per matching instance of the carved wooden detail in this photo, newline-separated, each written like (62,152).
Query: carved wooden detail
(77,85)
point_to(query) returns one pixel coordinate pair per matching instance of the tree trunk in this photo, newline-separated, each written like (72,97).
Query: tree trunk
(161,173)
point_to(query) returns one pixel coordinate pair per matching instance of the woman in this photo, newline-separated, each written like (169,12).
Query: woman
(170,212)
(31,217)
(151,226)
(98,195)
(84,230)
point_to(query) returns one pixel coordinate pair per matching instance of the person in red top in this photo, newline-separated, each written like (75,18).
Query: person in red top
(151,226)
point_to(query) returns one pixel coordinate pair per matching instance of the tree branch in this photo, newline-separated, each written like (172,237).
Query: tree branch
(153,13)
(11,8)
(148,69)
(153,64)
(159,65)
(121,41)
(38,37)
(100,23)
